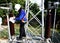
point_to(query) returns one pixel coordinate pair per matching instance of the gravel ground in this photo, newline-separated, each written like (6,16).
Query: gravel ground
(3,40)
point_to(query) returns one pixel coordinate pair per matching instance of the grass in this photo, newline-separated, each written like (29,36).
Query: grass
(58,30)
(35,31)
(4,33)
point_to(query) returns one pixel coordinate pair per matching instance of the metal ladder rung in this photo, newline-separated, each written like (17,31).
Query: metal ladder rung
(16,40)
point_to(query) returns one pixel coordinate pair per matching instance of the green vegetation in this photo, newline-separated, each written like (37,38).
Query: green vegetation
(4,33)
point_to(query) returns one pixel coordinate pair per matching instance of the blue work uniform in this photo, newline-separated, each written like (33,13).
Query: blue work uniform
(20,16)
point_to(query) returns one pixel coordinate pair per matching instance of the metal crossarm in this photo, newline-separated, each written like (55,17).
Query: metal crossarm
(5,8)
(36,32)
(16,40)
(38,26)
(31,5)
(35,17)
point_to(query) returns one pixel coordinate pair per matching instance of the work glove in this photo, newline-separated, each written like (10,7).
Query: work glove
(12,19)
(24,21)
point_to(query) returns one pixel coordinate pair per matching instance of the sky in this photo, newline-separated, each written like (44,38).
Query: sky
(36,1)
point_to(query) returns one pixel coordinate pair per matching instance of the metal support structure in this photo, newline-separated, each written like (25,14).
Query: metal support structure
(54,22)
(56,6)
(27,12)
(42,7)
(34,17)
(7,8)
(8,27)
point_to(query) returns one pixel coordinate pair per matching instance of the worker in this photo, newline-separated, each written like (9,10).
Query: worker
(22,18)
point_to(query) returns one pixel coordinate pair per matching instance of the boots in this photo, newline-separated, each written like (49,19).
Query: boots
(13,38)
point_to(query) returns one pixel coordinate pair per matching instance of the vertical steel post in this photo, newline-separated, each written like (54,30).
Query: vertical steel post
(27,12)
(10,6)
(8,25)
(54,22)
(42,5)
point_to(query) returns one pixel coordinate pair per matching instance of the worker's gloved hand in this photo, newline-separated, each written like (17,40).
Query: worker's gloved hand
(12,19)
(24,21)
